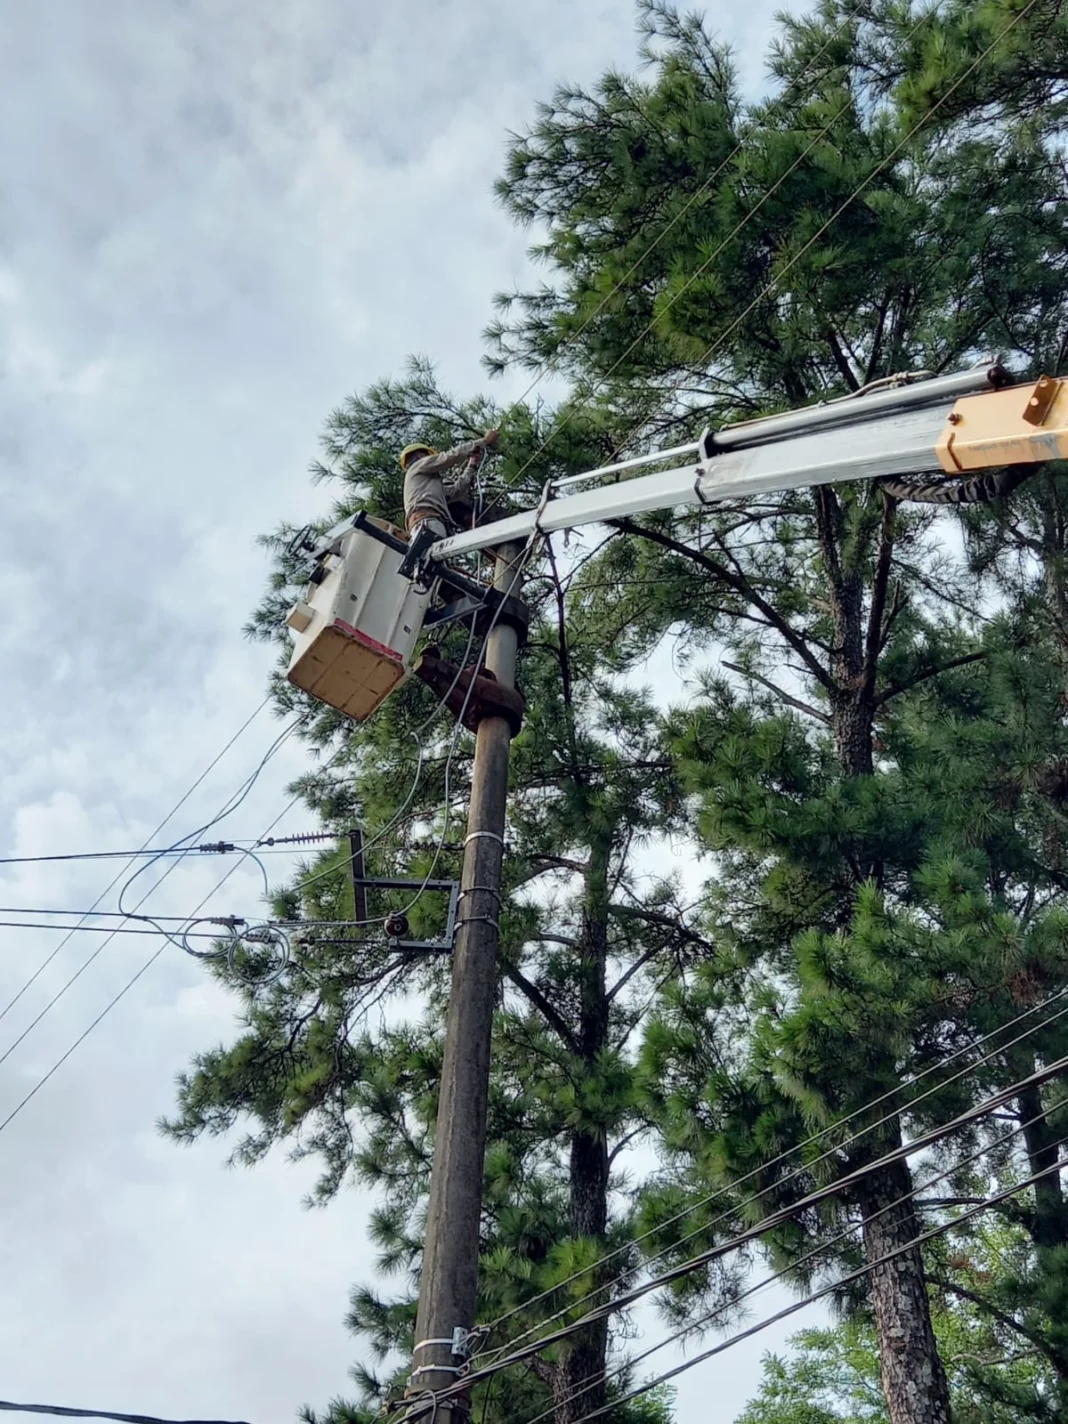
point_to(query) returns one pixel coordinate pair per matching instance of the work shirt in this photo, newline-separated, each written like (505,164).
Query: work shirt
(426,493)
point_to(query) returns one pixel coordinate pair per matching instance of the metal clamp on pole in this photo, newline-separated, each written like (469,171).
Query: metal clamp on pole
(459,1348)
(478,920)
(486,890)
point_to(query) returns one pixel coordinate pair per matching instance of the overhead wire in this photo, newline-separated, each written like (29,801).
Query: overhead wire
(271,845)
(119,996)
(806,1167)
(84,914)
(803,1261)
(65,1412)
(232,805)
(107,890)
(169,937)
(774,1220)
(97,929)
(887,1258)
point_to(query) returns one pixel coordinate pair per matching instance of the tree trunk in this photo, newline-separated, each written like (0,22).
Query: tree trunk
(1043,1150)
(579,1385)
(851,723)
(1050,1230)
(914,1382)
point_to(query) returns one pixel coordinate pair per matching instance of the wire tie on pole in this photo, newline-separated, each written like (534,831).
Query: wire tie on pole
(477,920)
(489,835)
(486,890)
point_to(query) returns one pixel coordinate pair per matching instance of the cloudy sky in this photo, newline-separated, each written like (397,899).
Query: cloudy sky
(216,219)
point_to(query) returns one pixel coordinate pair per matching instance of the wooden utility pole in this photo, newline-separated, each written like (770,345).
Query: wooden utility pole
(449,1277)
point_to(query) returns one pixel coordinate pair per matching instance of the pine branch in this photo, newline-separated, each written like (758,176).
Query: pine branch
(635,968)
(779,692)
(914,681)
(534,995)
(1002,1317)
(625,1141)
(740,584)
(880,586)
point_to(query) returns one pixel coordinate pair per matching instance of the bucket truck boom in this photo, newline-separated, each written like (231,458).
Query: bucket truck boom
(950,425)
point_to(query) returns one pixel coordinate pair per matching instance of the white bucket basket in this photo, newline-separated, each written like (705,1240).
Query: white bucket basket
(355,631)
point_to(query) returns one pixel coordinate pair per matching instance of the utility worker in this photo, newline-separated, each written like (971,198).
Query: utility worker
(427,497)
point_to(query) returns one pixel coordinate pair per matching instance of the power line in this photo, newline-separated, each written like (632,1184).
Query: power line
(161,919)
(919,1240)
(236,800)
(98,929)
(233,847)
(777,1161)
(775,1219)
(922,1239)
(85,914)
(67,1413)
(174,810)
(216,847)
(231,804)
(809,1256)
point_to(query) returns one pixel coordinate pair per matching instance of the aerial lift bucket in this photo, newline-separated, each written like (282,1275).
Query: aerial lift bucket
(355,630)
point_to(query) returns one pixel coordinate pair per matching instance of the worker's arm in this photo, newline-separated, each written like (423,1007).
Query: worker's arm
(448,459)
(460,487)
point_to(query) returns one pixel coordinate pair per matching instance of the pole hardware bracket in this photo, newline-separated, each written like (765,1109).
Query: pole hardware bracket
(485,698)
(1041,399)
(488,606)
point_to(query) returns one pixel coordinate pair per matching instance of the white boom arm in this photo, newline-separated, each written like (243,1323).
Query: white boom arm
(951,425)
(357,627)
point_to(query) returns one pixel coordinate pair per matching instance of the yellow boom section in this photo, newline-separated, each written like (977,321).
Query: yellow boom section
(1018,426)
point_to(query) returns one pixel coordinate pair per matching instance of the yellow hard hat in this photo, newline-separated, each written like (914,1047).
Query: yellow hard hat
(418,448)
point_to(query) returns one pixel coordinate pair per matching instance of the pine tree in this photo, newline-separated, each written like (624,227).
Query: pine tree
(718,260)
(585,939)
(898,203)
